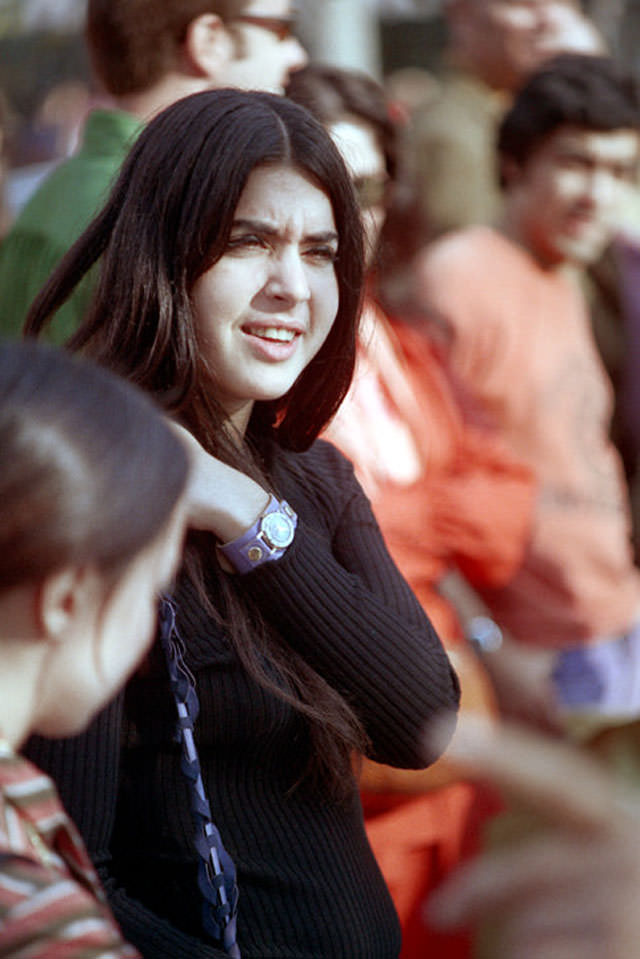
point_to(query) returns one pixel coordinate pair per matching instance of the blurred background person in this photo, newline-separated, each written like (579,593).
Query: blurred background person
(520,340)
(493,47)
(447,497)
(448,172)
(145,55)
(451,177)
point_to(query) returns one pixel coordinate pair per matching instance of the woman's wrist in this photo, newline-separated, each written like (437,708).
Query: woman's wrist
(238,510)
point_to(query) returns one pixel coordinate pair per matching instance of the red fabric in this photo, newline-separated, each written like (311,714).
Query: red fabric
(417,842)
(445,494)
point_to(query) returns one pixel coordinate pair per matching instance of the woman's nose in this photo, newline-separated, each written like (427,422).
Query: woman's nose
(288,278)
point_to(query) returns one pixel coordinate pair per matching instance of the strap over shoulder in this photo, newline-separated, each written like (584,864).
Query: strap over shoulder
(216,869)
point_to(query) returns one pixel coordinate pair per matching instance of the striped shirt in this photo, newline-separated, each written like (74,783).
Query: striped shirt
(51,903)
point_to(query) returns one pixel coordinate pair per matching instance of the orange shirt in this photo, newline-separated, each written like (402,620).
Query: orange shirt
(522,344)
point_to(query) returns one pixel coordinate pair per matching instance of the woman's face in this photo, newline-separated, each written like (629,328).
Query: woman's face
(111,631)
(265,308)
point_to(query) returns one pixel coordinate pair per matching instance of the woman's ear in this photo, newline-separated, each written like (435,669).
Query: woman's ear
(208,47)
(62,600)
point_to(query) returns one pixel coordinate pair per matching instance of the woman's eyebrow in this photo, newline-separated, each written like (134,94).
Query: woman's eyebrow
(328,236)
(261,226)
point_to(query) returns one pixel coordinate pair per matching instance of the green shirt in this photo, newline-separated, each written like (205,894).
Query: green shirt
(55,216)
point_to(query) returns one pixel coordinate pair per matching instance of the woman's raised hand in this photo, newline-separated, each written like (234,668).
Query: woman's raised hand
(220,498)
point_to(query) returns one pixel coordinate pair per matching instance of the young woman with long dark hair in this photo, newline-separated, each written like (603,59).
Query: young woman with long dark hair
(230,275)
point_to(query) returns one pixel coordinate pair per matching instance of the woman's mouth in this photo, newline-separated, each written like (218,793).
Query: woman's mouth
(276,334)
(272,344)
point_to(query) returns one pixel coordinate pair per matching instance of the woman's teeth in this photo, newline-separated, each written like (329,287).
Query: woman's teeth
(272,333)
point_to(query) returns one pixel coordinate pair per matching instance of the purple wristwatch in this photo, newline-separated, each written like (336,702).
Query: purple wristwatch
(266,540)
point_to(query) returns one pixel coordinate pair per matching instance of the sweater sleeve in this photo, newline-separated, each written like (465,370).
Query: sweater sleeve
(344,606)
(85,771)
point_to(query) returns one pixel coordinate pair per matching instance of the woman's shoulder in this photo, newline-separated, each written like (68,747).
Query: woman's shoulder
(320,475)
(321,460)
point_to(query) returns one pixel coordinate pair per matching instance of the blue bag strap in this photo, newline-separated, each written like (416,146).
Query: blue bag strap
(216,869)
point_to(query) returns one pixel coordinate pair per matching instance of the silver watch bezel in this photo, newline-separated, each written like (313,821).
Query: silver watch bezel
(266,522)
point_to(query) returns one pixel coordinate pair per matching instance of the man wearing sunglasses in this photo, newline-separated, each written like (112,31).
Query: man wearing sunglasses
(145,55)
(265,49)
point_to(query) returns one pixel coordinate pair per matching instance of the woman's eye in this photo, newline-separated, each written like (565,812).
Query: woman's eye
(248,241)
(322,254)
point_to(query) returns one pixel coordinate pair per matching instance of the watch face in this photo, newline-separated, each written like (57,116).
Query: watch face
(278,529)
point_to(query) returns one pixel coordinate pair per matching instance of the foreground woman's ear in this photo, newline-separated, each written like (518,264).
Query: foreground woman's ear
(63,599)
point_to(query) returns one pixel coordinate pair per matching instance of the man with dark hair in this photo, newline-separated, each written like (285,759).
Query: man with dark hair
(521,341)
(493,46)
(145,54)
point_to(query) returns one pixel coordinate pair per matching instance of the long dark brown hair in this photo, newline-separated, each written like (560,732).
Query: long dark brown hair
(167,221)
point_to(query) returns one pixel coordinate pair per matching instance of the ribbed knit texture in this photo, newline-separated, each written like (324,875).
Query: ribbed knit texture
(309,885)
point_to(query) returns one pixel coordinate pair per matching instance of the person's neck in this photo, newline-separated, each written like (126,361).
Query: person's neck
(146,104)
(498,81)
(511,228)
(17,695)
(238,423)
(22,655)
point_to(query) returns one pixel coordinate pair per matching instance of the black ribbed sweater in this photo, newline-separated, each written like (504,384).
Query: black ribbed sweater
(309,885)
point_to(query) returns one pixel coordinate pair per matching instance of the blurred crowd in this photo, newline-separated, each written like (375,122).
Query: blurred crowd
(493,422)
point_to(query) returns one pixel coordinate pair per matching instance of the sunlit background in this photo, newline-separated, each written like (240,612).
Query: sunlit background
(44,73)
